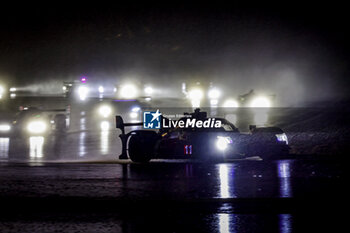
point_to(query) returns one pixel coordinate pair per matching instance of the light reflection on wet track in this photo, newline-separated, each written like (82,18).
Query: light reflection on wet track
(177,180)
(36,146)
(4,148)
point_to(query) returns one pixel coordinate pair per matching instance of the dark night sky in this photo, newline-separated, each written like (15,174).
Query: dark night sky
(303,47)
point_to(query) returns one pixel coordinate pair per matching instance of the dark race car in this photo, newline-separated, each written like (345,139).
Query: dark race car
(35,122)
(205,144)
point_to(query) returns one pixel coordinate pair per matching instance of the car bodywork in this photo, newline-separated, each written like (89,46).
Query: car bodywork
(202,143)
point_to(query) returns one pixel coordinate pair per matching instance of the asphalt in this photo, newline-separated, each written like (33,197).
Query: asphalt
(295,195)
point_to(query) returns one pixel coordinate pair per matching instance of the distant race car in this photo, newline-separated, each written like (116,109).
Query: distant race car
(251,99)
(202,143)
(35,122)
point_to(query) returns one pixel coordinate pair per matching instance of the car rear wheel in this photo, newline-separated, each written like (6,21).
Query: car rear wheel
(141,146)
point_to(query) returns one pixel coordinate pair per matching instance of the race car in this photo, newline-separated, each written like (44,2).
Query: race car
(205,144)
(254,100)
(35,122)
(140,91)
(201,94)
(208,95)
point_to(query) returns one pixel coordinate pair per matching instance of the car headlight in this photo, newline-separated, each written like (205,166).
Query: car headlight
(128,91)
(282,138)
(148,90)
(214,94)
(230,104)
(223,142)
(101,89)
(195,94)
(135,112)
(136,109)
(36,127)
(105,111)
(134,115)
(83,91)
(5,128)
(261,102)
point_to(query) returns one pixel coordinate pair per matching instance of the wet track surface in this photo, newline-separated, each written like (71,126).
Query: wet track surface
(73,182)
(293,195)
(164,179)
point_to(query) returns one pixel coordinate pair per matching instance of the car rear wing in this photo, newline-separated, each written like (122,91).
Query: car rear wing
(119,123)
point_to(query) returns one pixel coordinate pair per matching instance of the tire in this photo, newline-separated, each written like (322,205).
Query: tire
(141,146)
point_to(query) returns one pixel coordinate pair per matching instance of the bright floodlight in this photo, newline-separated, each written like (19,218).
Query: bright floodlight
(101,89)
(13,89)
(222,142)
(36,127)
(105,111)
(261,102)
(83,91)
(214,94)
(231,104)
(128,91)
(4,128)
(104,125)
(148,90)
